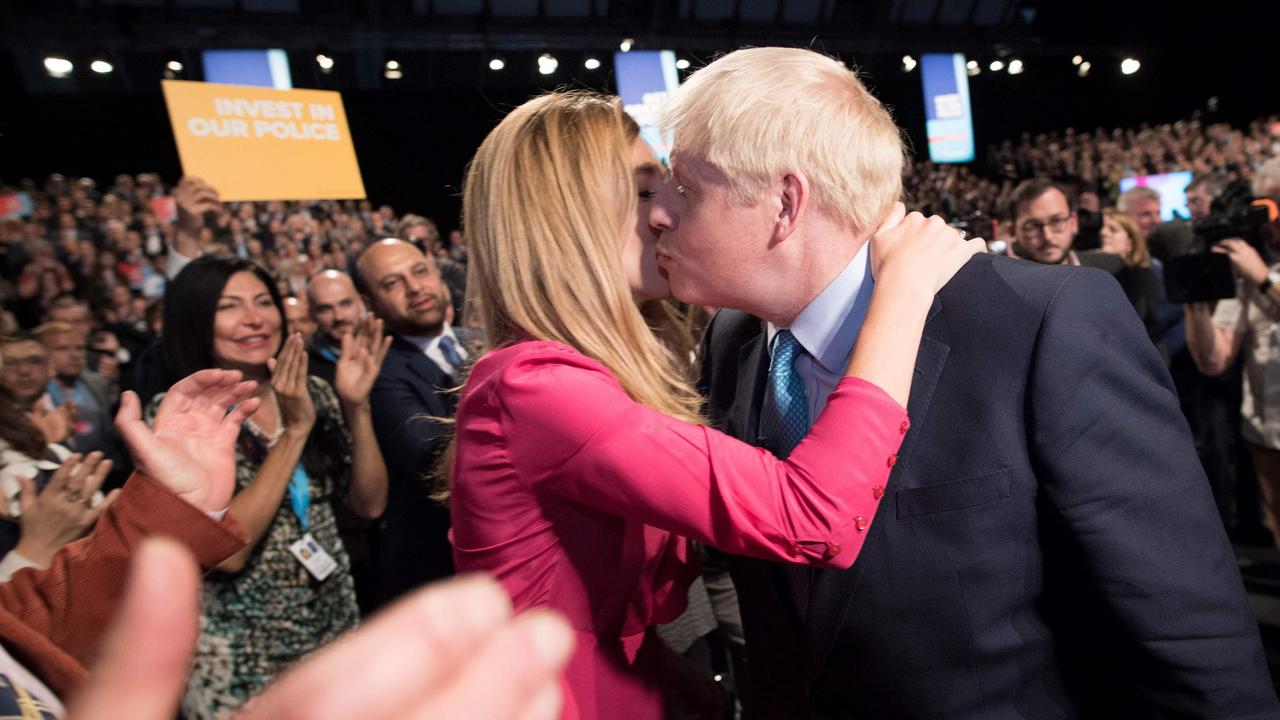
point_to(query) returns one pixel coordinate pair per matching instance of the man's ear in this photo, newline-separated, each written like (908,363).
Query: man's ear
(793,205)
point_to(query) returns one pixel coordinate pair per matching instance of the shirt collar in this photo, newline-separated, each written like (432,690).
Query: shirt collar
(828,326)
(425,342)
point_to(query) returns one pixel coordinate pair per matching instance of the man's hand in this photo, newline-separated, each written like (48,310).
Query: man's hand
(1247,261)
(363,351)
(194,198)
(434,654)
(191,448)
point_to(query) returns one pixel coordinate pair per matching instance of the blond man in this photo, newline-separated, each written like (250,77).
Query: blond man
(1046,545)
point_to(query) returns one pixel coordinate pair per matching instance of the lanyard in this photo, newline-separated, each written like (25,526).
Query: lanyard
(300,495)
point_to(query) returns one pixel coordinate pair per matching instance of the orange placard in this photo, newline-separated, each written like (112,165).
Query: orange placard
(255,143)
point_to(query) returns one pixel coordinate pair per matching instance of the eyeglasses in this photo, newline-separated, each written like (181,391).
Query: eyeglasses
(1031,228)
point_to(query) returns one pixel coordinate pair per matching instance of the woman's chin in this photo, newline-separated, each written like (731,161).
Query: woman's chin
(651,293)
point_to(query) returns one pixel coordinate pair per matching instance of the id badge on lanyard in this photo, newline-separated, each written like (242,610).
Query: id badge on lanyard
(308,551)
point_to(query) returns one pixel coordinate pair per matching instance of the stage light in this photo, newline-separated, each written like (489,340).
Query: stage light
(1083,70)
(682,64)
(393,65)
(1129,66)
(58,67)
(1015,67)
(325,62)
(173,66)
(908,63)
(972,68)
(996,65)
(496,64)
(625,45)
(1077,60)
(102,67)
(591,64)
(547,63)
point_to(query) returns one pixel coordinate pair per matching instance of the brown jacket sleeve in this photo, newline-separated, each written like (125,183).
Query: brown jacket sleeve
(52,620)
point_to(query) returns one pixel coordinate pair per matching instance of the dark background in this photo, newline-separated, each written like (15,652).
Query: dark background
(413,136)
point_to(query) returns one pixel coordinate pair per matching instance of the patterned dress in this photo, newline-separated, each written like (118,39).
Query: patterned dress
(257,623)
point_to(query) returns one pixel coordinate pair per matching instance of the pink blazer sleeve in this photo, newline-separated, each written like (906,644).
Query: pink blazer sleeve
(573,431)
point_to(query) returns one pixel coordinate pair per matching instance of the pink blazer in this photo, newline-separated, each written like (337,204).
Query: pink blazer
(580,499)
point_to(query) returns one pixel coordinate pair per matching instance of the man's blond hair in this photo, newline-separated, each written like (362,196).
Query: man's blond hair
(759,113)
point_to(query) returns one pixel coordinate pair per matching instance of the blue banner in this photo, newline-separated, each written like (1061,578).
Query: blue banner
(646,78)
(948,116)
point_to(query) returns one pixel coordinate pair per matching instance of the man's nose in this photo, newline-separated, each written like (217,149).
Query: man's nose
(662,215)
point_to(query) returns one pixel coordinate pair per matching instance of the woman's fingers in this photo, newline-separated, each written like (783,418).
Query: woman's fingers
(95,478)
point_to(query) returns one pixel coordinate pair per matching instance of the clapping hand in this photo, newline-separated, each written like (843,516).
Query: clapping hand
(191,449)
(65,510)
(289,381)
(363,351)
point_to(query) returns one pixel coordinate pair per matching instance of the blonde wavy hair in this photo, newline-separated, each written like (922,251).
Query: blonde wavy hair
(758,113)
(548,200)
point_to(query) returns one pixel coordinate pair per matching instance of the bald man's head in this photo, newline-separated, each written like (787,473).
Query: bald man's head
(403,287)
(335,304)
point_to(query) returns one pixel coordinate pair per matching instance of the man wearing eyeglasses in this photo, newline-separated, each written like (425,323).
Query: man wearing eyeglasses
(1045,227)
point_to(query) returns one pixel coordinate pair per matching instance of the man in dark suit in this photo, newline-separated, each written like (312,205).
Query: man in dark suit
(403,288)
(1046,546)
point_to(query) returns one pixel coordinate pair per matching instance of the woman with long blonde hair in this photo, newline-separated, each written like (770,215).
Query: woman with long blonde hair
(582,465)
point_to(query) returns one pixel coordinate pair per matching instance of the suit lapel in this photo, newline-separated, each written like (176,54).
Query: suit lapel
(433,378)
(833,590)
(743,422)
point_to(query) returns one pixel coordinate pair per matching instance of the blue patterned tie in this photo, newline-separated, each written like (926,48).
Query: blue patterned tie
(785,417)
(784,420)
(450,352)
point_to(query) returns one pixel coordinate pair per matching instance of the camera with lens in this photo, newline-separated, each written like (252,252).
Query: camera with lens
(1203,275)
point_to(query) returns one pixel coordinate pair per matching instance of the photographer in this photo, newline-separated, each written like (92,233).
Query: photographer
(1215,337)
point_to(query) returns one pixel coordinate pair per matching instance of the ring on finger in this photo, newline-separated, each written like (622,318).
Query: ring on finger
(963,235)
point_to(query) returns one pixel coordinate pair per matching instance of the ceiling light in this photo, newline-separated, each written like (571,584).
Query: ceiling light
(547,64)
(173,66)
(325,62)
(996,65)
(591,64)
(102,67)
(1015,67)
(496,64)
(1083,70)
(1129,66)
(58,67)
(625,45)
(908,63)
(1077,60)
(682,64)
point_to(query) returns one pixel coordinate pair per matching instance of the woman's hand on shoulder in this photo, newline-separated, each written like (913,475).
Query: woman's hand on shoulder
(920,251)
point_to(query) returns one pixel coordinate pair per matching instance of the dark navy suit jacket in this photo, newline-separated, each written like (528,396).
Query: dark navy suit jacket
(1047,546)
(410,544)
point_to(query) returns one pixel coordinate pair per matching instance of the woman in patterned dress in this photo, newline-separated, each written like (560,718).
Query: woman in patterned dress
(266,607)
